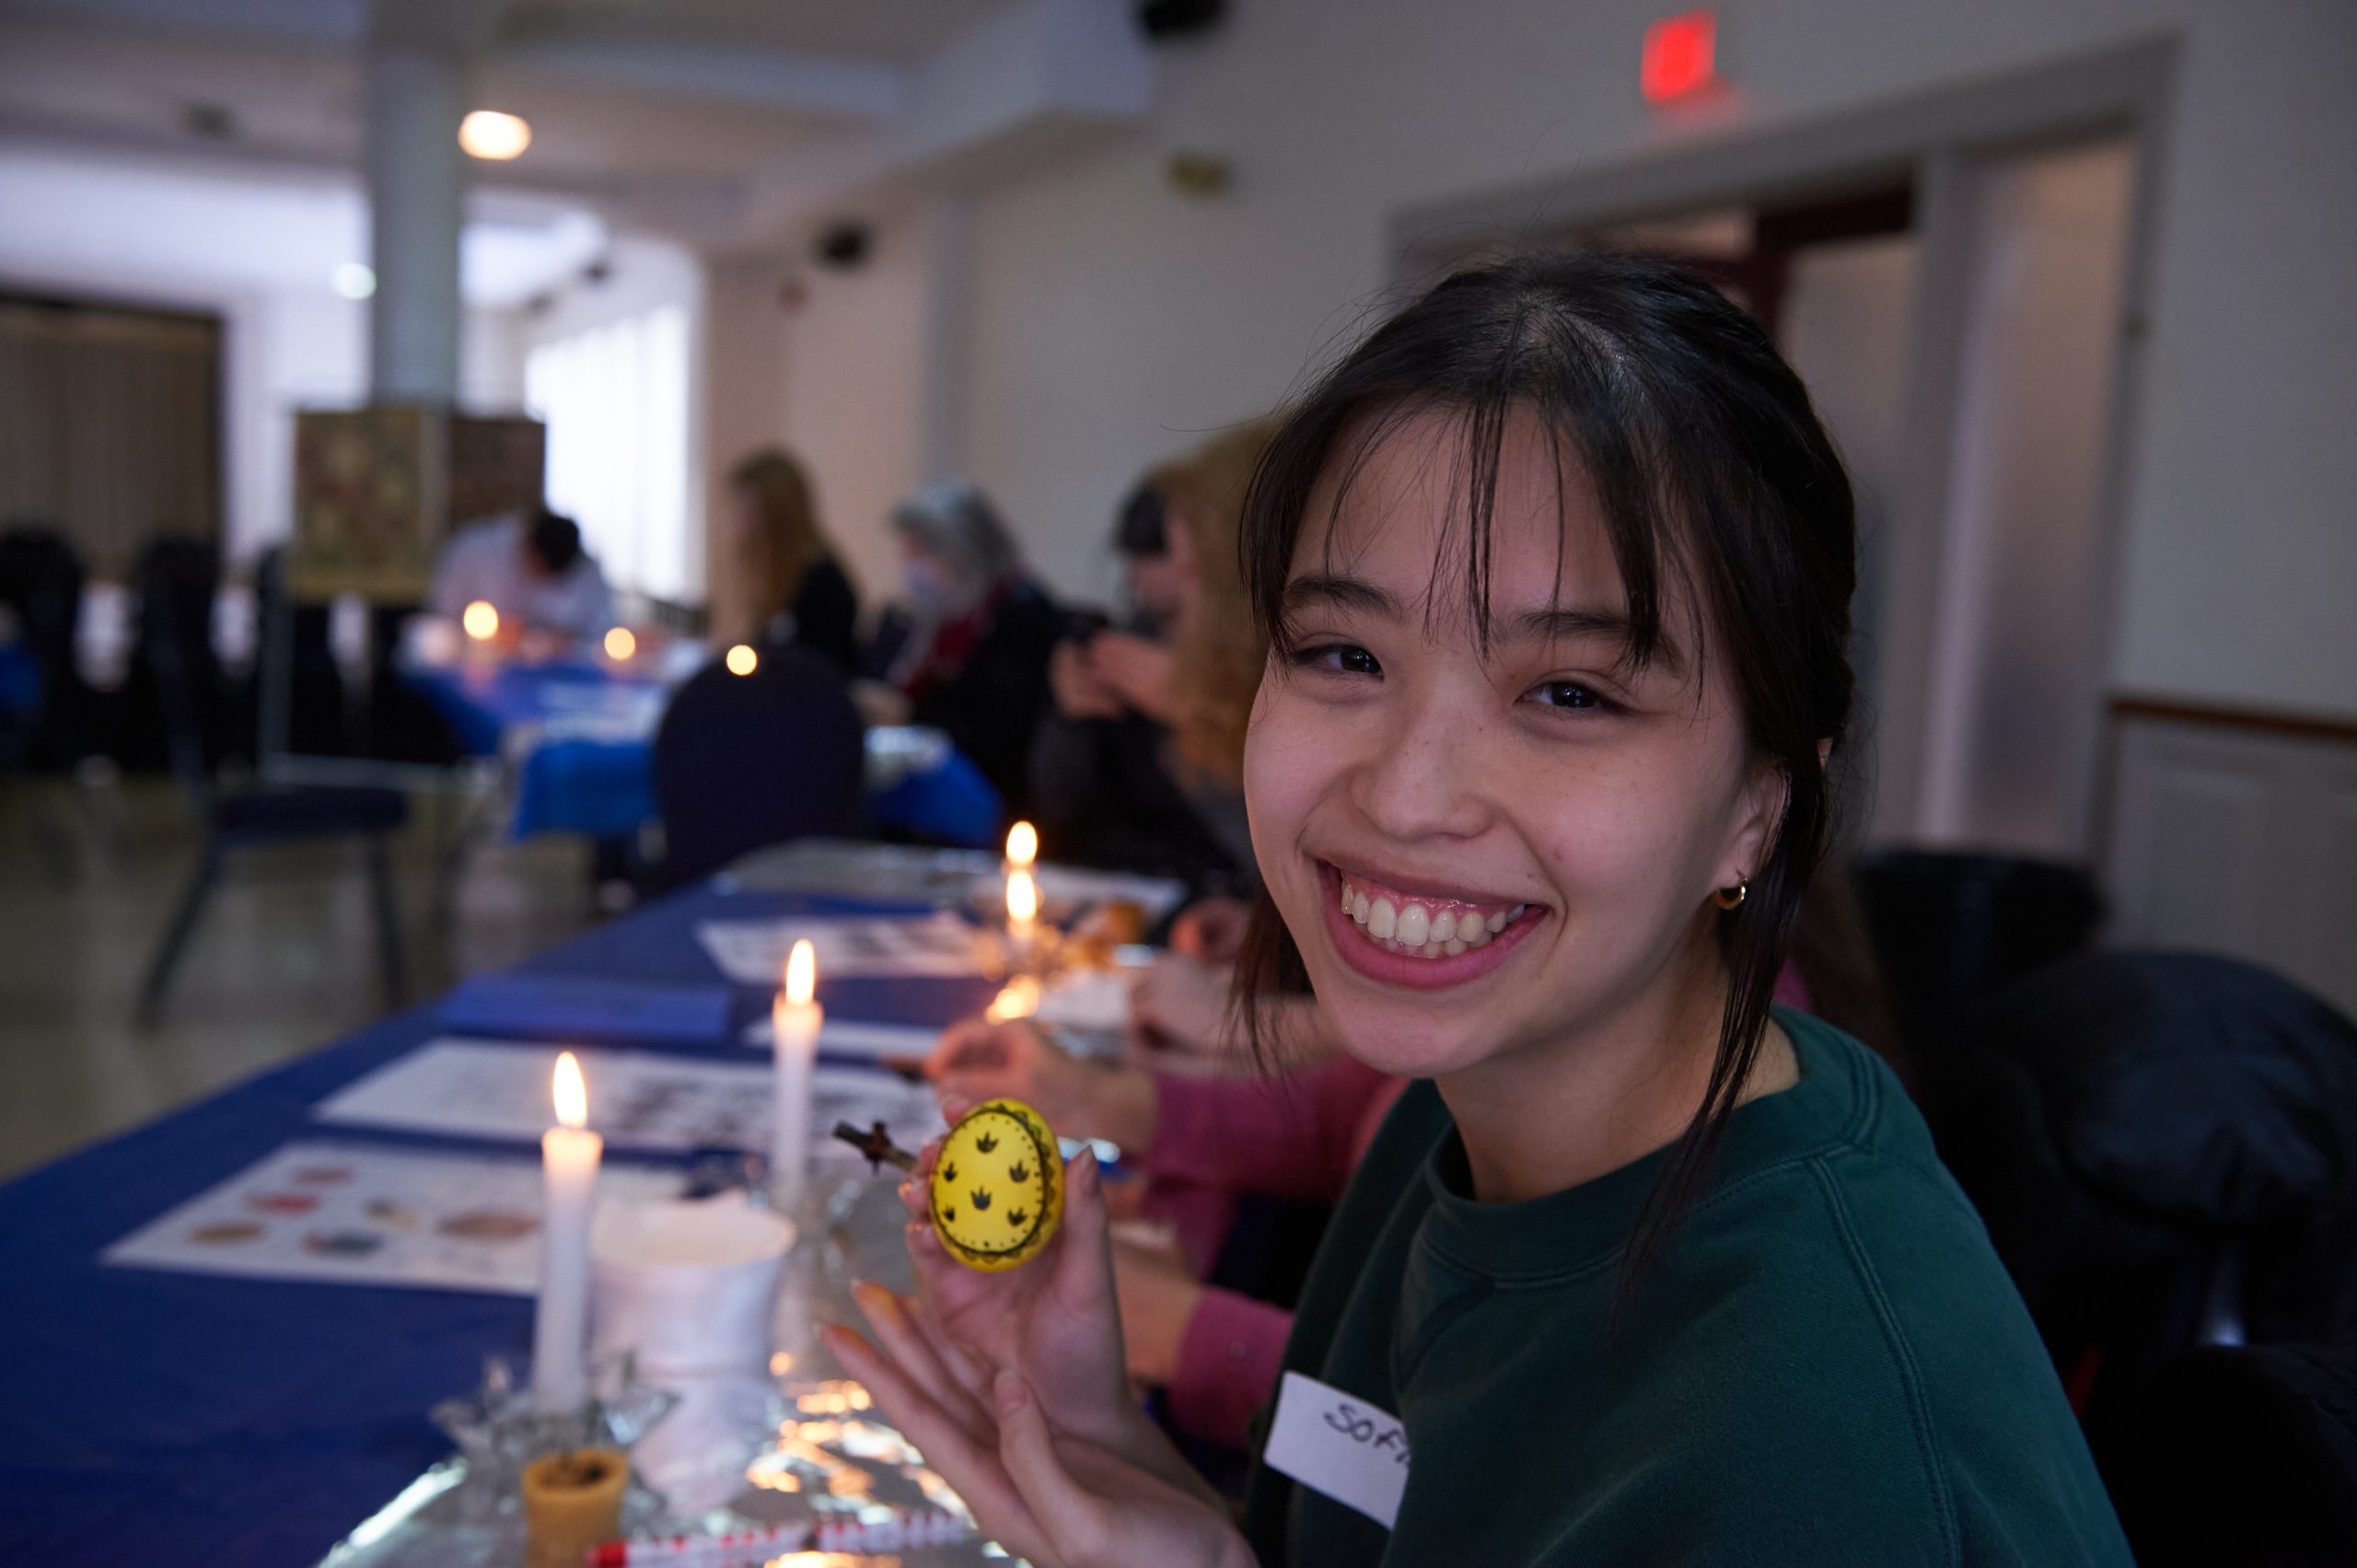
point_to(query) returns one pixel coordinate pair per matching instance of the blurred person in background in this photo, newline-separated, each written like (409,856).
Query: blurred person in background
(1140,765)
(967,653)
(793,590)
(530,567)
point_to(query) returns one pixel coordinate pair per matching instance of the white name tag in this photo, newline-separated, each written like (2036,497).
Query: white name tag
(1340,1444)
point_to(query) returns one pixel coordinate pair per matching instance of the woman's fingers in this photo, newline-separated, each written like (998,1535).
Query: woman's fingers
(948,1285)
(1083,1261)
(959,1361)
(910,1350)
(972,1468)
(916,1187)
(1075,1520)
(968,1041)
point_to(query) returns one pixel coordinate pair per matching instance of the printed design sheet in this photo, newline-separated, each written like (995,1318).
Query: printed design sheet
(753,952)
(371,1216)
(638,1099)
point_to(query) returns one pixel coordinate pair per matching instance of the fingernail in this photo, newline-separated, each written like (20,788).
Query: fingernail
(1084,1167)
(1009,1391)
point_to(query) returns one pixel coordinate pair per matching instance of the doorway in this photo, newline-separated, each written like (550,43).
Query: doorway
(1952,276)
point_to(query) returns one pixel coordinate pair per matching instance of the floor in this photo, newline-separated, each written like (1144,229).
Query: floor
(284,960)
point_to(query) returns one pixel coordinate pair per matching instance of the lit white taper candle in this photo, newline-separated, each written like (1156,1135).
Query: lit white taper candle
(795,1018)
(1022,847)
(569,1156)
(1022,909)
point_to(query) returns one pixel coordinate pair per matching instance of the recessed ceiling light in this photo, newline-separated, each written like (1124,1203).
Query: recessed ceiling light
(353,279)
(488,134)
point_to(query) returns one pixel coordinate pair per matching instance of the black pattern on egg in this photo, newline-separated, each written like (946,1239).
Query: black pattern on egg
(996,1191)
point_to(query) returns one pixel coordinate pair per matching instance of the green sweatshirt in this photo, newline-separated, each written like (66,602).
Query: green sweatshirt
(1828,1365)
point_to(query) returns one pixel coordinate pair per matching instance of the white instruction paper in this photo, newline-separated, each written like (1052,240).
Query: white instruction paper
(753,952)
(370,1216)
(639,1099)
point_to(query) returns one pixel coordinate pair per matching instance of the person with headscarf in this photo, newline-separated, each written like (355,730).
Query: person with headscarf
(791,589)
(974,659)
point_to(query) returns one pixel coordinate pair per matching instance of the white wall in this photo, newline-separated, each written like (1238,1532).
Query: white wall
(259,250)
(856,370)
(1113,320)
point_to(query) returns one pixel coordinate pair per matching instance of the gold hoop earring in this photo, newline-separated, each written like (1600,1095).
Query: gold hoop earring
(1720,896)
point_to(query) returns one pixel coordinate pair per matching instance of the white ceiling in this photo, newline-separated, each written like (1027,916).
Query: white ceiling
(718,122)
(132,222)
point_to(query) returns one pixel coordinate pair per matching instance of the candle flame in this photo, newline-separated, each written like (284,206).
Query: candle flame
(1018,999)
(1022,846)
(1022,897)
(481,620)
(571,1095)
(621,644)
(801,974)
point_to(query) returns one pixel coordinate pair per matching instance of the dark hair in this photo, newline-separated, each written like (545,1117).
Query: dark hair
(1138,528)
(1709,464)
(554,539)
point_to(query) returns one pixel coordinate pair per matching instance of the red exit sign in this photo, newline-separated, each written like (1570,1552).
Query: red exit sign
(1681,56)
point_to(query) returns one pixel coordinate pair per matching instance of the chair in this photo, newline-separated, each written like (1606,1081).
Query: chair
(43,713)
(40,581)
(1949,928)
(2163,1147)
(176,643)
(2244,1456)
(742,761)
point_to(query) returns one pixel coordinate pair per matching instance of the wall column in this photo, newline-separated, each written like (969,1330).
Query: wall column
(416,93)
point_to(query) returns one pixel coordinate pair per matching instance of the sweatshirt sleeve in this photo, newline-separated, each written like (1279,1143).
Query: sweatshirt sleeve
(1293,1136)
(1227,1364)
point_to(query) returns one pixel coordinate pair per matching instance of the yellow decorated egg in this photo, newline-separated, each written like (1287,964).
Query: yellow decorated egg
(998,1188)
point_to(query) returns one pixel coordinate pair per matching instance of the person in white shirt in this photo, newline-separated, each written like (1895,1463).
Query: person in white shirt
(530,567)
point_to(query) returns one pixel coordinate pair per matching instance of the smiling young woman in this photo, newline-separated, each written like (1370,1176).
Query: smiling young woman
(1555,569)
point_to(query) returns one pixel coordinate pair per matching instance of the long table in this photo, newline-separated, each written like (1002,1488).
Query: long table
(162,1417)
(577,736)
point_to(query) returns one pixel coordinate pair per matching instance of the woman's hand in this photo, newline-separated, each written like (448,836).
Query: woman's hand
(1136,670)
(1159,1298)
(1013,1386)
(978,1060)
(1080,691)
(1181,1003)
(1211,931)
(879,704)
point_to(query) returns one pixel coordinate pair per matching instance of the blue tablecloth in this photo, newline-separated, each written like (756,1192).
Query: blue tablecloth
(592,771)
(158,1417)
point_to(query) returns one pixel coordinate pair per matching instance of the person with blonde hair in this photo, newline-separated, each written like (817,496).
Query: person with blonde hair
(790,588)
(1142,763)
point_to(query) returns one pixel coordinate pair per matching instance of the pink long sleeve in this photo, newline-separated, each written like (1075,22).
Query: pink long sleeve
(1228,1362)
(1294,1136)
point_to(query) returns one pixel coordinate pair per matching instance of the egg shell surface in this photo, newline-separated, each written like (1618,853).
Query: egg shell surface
(997,1191)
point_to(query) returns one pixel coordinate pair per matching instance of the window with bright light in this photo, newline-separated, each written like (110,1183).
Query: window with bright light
(615,400)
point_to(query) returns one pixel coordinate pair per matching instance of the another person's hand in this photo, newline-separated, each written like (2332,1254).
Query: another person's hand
(1012,1386)
(1158,1299)
(1079,693)
(1135,671)
(978,1060)
(1180,1004)
(878,703)
(1211,931)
